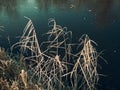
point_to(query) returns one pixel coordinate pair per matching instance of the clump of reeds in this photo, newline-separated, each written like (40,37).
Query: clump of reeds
(57,65)
(85,66)
(29,48)
(46,67)
(56,62)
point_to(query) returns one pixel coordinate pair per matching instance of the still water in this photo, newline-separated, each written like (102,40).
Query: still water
(100,19)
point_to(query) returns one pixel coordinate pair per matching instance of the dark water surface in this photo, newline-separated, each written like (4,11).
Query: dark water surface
(100,19)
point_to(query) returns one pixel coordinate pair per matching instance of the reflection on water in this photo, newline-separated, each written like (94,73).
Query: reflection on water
(9,7)
(46,4)
(101,9)
(105,11)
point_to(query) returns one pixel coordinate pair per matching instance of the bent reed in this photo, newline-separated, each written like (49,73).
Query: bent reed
(57,67)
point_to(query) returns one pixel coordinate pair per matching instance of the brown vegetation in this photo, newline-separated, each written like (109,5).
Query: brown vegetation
(55,68)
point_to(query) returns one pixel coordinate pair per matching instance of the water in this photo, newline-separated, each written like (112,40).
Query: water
(100,19)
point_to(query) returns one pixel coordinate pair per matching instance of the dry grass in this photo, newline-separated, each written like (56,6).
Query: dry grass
(87,64)
(58,67)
